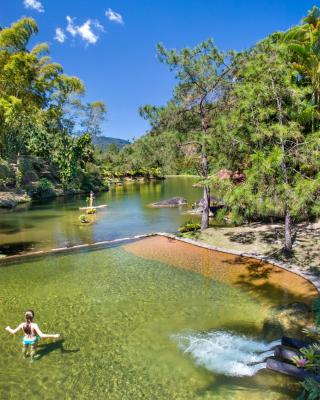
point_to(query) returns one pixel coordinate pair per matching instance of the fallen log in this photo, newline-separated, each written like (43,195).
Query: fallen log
(289,369)
(95,207)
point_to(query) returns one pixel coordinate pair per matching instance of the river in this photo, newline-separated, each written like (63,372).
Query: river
(55,223)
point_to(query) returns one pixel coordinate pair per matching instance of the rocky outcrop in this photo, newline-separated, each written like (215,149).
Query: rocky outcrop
(12,199)
(172,202)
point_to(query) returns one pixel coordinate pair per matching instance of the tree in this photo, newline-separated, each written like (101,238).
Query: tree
(94,115)
(202,74)
(39,107)
(265,128)
(303,43)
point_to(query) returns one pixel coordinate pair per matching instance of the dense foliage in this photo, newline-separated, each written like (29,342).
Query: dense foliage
(45,130)
(251,118)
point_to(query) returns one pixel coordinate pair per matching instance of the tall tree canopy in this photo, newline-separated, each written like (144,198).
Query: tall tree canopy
(36,103)
(265,129)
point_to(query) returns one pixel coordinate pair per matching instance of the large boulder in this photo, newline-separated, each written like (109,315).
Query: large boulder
(172,202)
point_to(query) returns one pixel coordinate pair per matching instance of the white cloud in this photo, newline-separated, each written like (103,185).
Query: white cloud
(34,4)
(70,26)
(60,35)
(87,31)
(114,16)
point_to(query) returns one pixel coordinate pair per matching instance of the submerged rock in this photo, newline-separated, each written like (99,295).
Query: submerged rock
(172,202)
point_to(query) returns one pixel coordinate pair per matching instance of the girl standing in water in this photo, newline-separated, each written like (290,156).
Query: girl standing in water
(32,334)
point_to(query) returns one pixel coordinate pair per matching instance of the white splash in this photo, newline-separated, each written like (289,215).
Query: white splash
(226,353)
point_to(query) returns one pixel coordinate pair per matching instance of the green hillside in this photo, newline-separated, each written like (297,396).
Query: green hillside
(103,142)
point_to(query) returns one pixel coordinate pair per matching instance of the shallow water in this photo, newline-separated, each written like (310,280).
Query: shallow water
(120,313)
(55,223)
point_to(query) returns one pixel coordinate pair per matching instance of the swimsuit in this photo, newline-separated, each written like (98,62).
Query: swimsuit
(31,342)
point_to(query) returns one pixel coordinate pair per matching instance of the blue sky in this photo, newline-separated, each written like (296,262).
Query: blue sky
(110,44)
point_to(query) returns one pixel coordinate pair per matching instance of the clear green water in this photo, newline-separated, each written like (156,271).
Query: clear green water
(116,313)
(55,223)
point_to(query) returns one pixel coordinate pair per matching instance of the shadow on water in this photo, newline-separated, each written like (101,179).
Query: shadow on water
(257,280)
(221,383)
(257,270)
(42,217)
(10,228)
(47,348)
(10,249)
(272,292)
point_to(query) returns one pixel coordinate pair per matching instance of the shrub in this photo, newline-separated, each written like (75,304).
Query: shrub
(43,189)
(83,219)
(311,390)
(91,210)
(189,227)
(221,215)
(7,175)
(310,358)
(92,178)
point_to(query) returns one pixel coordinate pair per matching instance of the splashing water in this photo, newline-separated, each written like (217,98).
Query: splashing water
(226,353)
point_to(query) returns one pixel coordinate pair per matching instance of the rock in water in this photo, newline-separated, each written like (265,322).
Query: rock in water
(172,202)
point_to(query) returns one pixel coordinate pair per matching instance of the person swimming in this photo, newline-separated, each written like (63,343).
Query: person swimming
(32,334)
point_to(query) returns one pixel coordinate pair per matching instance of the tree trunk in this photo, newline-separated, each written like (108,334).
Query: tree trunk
(204,168)
(288,238)
(287,231)
(206,208)
(206,191)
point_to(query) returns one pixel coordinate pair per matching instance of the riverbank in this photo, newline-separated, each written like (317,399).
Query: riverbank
(266,240)
(183,176)
(138,179)
(10,200)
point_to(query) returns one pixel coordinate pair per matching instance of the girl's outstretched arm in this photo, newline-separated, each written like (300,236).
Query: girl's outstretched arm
(45,335)
(14,331)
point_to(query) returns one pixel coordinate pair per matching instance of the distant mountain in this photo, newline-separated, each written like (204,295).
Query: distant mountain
(103,142)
